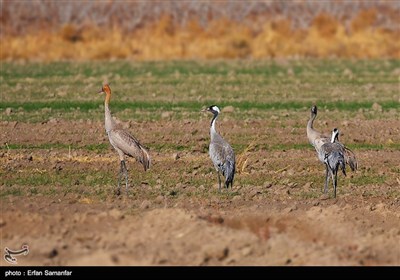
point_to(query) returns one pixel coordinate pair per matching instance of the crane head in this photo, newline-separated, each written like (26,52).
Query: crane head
(105,89)
(213,109)
(314,110)
(335,135)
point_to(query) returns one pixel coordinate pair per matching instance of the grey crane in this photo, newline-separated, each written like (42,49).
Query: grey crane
(332,155)
(122,141)
(221,153)
(317,139)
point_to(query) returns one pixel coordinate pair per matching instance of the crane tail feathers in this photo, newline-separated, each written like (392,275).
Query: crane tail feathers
(342,167)
(229,173)
(350,159)
(144,158)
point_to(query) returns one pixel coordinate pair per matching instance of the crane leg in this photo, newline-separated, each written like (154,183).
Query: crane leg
(227,183)
(334,184)
(333,181)
(125,171)
(219,182)
(326,179)
(119,177)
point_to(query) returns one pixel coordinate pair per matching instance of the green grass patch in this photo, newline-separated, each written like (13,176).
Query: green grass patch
(68,90)
(49,146)
(368,179)
(189,106)
(11,191)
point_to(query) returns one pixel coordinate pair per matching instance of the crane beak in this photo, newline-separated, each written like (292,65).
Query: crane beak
(204,110)
(101,91)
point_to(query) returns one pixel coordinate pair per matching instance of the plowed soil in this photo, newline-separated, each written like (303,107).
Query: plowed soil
(173,213)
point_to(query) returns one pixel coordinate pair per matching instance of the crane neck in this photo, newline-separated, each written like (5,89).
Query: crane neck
(212,126)
(107,100)
(108,121)
(335,136)
(310,123)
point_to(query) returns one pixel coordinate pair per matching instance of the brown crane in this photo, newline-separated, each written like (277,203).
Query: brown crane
(122,141)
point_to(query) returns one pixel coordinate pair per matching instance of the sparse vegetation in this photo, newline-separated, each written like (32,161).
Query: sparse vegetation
(74,156)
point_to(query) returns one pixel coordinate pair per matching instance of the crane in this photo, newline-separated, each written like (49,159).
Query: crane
(221,153)
(122,141)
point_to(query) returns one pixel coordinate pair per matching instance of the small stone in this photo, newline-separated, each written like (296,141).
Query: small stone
(159,199)
(307,186)
(8,111)
(166,115)
(376,107)
(145,204)
(114,258)
(223,254)
(58,168)
(216,219)
(267,184)
(116,214)
(175,156)
(237,197)
(228,109)
(216,253)
(53,253)
(324,197)
(345,123)
(290,209)
(246,251)
(254,193)
(285,181)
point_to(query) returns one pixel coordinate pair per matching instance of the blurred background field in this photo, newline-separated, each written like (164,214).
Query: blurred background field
(160,30)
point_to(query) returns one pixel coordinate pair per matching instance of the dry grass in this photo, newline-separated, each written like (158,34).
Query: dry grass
(326,35)
(243,158)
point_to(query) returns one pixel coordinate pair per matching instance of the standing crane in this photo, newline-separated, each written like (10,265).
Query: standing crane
(317,139)
(122,141)
(221,153)
(332,155)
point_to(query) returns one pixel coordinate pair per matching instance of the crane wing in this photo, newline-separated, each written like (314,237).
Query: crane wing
(223,157)
(130,146)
